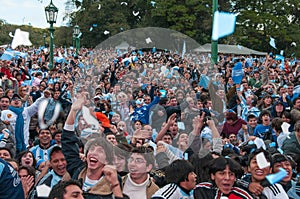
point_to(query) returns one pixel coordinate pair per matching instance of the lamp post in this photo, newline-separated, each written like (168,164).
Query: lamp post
(44,36)
(76,32)
(51,16)
(214,43)
(73,40)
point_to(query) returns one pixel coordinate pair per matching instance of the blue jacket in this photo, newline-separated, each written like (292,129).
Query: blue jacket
(142,113)
(10,183)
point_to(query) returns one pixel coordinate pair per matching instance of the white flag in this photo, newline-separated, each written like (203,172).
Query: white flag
(20,38)
(183,49)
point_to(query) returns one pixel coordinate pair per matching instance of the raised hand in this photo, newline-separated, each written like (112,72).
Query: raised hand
(111,174)
(81,100)
(198,122)
(172,119)
(27,183)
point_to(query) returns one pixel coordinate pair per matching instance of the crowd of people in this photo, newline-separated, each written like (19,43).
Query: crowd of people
(148,124)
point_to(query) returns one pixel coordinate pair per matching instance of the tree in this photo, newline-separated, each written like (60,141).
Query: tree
(258,20)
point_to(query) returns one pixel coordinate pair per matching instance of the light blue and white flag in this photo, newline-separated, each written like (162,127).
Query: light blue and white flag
(223,24)
(20,54)
(7,55)
(272,42)
(204,81)
(66,52)
(281,52)
(153,50)
(59,59)
(280,57)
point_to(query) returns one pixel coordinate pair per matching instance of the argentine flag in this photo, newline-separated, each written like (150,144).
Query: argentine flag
(7,55)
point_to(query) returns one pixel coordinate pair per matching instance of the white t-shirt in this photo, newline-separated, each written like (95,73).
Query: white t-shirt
(88,183)
(134,190)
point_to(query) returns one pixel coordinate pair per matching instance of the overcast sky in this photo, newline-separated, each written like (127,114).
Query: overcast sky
(30,12)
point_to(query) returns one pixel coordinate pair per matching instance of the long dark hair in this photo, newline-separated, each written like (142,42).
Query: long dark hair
(201,166)
(220,164)
(178,171)
(20,155)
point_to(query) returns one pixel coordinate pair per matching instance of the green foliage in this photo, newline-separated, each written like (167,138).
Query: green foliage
(62,35)
(257,21)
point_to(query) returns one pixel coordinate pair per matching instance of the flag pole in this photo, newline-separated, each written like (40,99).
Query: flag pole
(214,43)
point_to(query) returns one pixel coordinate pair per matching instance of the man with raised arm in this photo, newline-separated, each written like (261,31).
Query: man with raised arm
(100,180)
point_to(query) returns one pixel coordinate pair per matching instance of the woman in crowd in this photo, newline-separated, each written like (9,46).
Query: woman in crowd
(26,158)
(56,86)
(9,93)
(24,93)
(137,125)
(27,175)
(266,103)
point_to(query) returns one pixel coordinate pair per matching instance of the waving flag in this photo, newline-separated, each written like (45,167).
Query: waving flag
(204,81)
(223,25)
(20,38)
(237,73)
(59,59)
(7,55)
(272,42)
(281,58)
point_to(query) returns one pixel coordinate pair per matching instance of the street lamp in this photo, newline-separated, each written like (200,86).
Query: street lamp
(51,16)
(76,32)
(44,36)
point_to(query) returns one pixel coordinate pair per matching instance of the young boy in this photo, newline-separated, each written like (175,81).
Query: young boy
(257,178)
